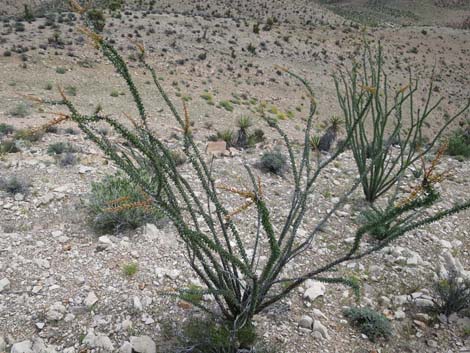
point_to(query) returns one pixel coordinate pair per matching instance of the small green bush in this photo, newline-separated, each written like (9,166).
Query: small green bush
(208,97)
(21,110)
(67,159)
(71,131)
(102,199)
(373,215)
(61,70)
(130,269)
(59,148)
(371,323)
(226,135)
(53,129)
(96,17)
(459,144)
(9,146)
(452,294)
(178,157)
(28,135)
(256,137)
(273,162)
(71,90)
(6,129)
(14,185)
(226,105)
(208,336)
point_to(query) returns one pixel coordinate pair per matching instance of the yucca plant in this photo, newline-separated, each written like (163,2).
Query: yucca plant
(244,123)
(244,274)
(329,137)
(383,118)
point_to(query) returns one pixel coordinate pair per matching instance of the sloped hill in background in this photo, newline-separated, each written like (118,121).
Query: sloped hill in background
(454,13)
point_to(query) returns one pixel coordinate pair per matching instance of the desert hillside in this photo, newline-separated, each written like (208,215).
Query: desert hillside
(92,260)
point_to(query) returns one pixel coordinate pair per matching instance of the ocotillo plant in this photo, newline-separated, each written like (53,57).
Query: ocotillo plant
(244,274)
(384,118)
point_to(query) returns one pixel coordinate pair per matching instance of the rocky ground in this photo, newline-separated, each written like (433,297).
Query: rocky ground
(63,287)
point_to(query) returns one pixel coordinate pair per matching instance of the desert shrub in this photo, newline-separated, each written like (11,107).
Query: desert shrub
(9,146)
(365,98)
(371,323)
(59,148)
(256,137)
(52,129)
(21,110)
(225,135)
(14,185)
(179,157)
(67,159)
(227,105)
(251,49)
(108,214)
(273,162)
(61,70)
(6,129)
(97,19)
(208,222)
(29,135)
(130,269)
(115,5)
(28,14)
(452,294)
(209,336)
(371,216)
(19,27)
(209,98)
(71,131)
(459,144)
(71,90)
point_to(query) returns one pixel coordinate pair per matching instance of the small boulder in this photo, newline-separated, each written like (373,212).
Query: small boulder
(91,299)
(22,347)
(4,284)
(99,341)
(314,289)
(306,322)
(143,344)
(321,329)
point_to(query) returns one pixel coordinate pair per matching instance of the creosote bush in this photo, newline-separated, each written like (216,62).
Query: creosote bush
(244,275)
(371,323)
(109,215)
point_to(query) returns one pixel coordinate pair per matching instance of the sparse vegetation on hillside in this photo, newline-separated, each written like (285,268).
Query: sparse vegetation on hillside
(215,249)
